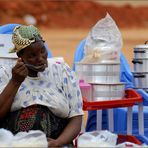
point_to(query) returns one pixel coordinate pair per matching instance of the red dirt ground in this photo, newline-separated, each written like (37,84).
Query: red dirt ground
(70,13)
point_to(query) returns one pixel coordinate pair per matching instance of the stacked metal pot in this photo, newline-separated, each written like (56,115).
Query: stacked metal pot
(104,79)
(140,62)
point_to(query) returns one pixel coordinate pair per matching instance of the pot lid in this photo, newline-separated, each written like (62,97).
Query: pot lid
(108,84)
(139,73)
(139,59)
(107,63)
(145,45)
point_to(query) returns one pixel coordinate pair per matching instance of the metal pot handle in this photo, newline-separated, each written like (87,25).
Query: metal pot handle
(142,51)
(139,76)
(146,42)
(137,61)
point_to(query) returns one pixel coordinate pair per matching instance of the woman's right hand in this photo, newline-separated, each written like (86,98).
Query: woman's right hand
(19,71)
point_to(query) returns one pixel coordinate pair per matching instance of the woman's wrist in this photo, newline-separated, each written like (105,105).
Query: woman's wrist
(54,142)
(15,82)
(59,142)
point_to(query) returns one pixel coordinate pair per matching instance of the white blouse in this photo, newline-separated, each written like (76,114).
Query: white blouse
(56,87)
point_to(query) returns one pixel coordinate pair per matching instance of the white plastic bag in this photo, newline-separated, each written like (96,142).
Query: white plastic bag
(33,138)
(103,43)
(97,139)
(30,139)
(6,138)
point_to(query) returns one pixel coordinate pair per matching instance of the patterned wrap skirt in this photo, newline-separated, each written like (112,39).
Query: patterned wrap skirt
(35,117)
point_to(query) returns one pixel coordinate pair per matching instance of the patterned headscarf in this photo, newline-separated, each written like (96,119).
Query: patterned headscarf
(23,36)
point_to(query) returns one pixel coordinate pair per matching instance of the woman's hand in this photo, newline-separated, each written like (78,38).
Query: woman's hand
(69,133)
(53,143)
(19,71)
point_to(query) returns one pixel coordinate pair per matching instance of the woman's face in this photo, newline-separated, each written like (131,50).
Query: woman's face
(36,55)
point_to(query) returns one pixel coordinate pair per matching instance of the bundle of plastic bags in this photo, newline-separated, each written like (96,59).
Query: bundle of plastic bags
(103,43)
(97,139)
(23,139)
(101,139)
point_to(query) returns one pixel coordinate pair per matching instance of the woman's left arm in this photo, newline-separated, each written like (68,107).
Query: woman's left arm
(69,133)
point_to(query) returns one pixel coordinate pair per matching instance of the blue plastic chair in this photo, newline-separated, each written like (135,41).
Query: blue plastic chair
(125,76)
(8,29)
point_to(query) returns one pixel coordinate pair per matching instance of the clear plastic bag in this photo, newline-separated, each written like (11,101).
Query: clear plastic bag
(6,138)
(103,43)
(97,139)
(33,138)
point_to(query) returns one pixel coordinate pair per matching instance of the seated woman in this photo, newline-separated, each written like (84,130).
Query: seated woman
(37,95)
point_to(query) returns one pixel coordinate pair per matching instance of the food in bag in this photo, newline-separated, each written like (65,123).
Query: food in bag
(103,43)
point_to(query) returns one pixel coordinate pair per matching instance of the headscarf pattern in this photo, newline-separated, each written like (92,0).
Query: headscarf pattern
(24,36)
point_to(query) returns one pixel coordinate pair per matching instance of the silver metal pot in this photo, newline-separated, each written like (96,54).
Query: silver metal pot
(141,80)
(141,51)
(140,65)
(102,92)
(98,73)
